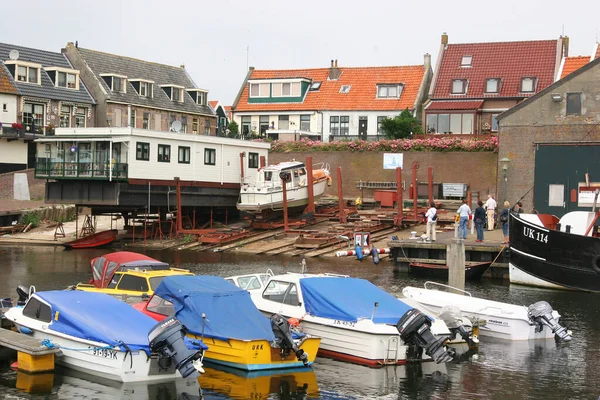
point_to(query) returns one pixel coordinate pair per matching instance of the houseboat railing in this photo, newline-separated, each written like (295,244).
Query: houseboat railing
(87,170)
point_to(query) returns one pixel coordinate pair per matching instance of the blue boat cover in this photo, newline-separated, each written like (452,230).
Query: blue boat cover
(230,312)
(348,299)
(98,317)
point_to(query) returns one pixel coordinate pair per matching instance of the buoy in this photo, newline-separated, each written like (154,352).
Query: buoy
(359,253)
(375,254)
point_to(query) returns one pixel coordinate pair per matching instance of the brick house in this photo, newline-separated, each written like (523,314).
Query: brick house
(474,82)
(328,103)
(143,94)
(39,90)
(552,142)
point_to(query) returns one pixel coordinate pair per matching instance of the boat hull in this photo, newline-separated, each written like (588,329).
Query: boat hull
(256,355)
(95,240)
(473,271)
(257,200)
(557,258)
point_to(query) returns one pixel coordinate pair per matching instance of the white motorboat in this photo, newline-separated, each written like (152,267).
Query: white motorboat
(251,282)
(356,320)
(266,191)
(103,336)
(502,320)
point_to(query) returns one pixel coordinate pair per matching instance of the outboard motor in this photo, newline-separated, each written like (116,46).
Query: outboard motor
(24,292)
(458,324)
(283,339)
(540,314)
(166,339)
(414,328)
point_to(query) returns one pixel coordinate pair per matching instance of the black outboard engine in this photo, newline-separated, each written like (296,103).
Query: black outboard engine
(540,314)
(166,339)
(414,328)
(458,324)
(23,292)
(283,339)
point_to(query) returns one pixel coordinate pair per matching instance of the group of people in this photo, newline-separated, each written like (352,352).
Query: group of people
(484,211)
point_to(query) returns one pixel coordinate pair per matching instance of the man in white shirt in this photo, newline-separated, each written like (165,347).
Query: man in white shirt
(490,205)
(464,211)
(431,216)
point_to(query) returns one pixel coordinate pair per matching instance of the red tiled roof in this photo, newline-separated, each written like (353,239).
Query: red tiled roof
(440,105)
(509,61)
(362,94)
(6,85)
(573,63)
(213,104)
(228,111)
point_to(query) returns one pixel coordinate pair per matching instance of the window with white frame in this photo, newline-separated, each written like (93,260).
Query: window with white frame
(66,80)
(80,114)
(145,89)
(528,85)
(175,94)
(117,84)
(285,89)
(284,122)
(334,125)
(344,125)
(379,128)
(305,123)
(201,98)
(450,123)
(466,61)
(132,119)
(492,85)
(195,126)
(33,116)
(260,89)
(389,91)
(246,124)
(28,74)
(146,121)
(459,86)
(65,117)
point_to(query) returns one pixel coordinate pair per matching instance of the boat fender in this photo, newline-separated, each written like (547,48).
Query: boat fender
(26,330)
(359,253)
(375,254)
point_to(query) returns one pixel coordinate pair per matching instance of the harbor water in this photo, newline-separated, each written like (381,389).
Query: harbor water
(498,370)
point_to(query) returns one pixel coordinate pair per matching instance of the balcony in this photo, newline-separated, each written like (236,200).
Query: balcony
(79,170)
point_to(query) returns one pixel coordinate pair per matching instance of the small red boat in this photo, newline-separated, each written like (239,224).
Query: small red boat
(95,240)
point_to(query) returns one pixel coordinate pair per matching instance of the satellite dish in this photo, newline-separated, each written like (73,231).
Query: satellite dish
(176,126)
(14,54)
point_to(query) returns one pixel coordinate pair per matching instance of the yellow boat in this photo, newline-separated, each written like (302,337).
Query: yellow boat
(127,274)
(235,384)
(228,322)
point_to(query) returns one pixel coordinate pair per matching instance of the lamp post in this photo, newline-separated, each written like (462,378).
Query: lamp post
(504,161)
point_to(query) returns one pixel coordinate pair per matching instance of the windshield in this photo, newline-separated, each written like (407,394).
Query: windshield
(154,282)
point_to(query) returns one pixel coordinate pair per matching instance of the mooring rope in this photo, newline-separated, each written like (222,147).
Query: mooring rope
(50,345)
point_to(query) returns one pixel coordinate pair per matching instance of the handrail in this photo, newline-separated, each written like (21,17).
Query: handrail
(446,286)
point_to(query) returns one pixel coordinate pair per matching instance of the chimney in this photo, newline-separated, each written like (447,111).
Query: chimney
(182,66)
(565,46)
(251,68)
(427,60)
(444,38)
(334,71)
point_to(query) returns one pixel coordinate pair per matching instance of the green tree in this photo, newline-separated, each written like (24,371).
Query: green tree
(233,129)
(401,126)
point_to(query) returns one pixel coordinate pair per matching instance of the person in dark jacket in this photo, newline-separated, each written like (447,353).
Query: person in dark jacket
(479,218)
(504,215)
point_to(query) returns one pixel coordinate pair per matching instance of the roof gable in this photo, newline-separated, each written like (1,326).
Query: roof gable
(509,61)
(47,89)
(102,63)
(6,82)
(362,94)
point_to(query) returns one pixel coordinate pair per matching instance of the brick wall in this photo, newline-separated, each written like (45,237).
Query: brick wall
(36,186)
(478,170)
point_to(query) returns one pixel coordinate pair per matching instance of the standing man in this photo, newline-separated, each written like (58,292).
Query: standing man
(464,211)
(431,216)
(490,206)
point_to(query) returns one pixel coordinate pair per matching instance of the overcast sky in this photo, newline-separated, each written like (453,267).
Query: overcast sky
(212,37)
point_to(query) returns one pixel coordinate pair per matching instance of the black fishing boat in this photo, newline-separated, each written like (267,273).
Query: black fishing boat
(564,256)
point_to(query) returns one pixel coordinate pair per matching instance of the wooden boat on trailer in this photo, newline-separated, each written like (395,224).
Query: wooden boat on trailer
(95,240)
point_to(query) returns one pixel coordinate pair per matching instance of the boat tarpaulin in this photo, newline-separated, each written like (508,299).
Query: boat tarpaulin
(98,317)
(350,299)
(104,267)
(230,312)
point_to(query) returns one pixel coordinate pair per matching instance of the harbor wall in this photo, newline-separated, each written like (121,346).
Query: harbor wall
(7,182)
(477,169)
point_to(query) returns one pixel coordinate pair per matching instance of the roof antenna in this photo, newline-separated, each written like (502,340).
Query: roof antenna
(247,57)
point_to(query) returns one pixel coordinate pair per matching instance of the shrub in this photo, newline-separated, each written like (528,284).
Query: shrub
(31,218)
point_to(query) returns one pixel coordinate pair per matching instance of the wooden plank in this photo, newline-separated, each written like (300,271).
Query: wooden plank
(24,343)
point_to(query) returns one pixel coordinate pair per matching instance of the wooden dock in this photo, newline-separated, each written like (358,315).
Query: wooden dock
(33,356)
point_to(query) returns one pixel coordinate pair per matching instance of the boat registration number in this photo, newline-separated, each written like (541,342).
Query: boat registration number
(105,353)
(344,323)
(535,234)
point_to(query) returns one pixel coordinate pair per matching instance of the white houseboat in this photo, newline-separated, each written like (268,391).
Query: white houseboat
(127,168)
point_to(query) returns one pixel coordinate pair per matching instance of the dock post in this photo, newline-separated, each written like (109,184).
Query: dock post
(34,363)
(399,200)
(310,208)
(415,166)
(456,263)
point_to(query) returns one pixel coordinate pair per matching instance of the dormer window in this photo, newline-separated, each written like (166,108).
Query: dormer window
(116,83)
(387,91)
(466,61)
(199,96)
(174,92)
(459,86)
(492,85)
(143,87)
(64,77)
(528,85)
(260,89)
(286,89)
(345,89)
(24,71)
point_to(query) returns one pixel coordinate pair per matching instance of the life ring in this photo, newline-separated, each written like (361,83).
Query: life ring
(596,264)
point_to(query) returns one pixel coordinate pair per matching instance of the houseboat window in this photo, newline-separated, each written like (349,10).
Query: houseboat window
(184,155)
(80,117)
(268,176)
(252,160)
(135,283)
(37,310)
(573,103)
(65,116)
(142,151)
(164,153)
(210,157)
(113,282)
